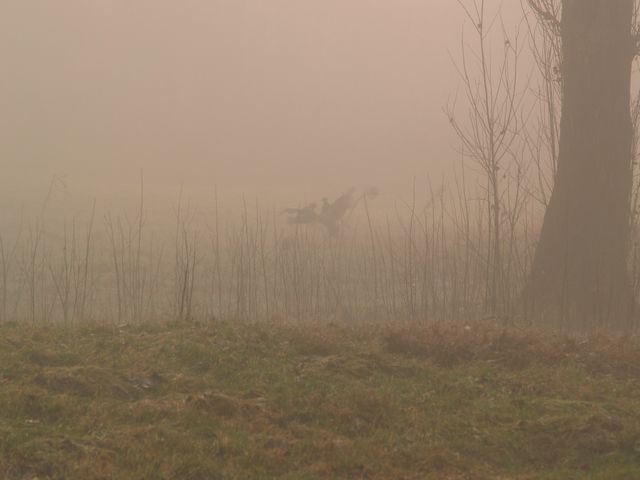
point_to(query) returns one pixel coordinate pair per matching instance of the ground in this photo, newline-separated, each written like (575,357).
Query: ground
(223,401)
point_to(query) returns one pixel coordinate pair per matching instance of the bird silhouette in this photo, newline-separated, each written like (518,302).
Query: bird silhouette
(332,212)
(302,216)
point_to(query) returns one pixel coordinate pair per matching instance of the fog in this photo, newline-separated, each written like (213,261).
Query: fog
(283,101)
(319,239)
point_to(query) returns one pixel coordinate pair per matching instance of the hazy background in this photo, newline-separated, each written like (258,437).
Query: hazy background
(283,100)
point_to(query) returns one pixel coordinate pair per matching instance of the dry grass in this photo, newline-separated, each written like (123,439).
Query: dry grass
(448,345)
(280,402)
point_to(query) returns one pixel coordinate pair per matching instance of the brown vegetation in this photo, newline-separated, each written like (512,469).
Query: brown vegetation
(333,401)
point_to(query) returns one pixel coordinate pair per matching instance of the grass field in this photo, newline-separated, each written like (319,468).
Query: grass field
(315,402)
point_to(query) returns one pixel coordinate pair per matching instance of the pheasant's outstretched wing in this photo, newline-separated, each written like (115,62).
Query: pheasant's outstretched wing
(332,213)
(336,210)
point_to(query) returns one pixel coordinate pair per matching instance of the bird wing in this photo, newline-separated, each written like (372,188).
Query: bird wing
(340,206)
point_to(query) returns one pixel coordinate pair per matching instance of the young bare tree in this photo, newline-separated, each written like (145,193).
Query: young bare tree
(579,274)
(494,95)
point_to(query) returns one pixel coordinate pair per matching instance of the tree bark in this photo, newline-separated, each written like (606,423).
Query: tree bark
(579,275)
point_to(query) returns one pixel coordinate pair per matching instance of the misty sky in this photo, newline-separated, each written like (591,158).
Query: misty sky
(261,97)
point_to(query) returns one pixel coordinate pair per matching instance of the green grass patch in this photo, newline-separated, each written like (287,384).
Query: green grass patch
(316,402)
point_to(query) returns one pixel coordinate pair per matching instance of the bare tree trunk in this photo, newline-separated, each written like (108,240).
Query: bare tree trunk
(579,275)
